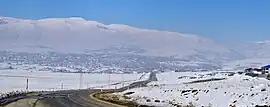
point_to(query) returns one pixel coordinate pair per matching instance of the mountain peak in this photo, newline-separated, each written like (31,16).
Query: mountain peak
(6,20)
(262,42)
(78,18)
(64,19)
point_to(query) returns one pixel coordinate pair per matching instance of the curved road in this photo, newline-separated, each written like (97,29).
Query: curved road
(80,98)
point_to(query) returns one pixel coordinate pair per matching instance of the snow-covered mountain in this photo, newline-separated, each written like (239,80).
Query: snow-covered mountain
(77,35)
(256,55)
(259,49)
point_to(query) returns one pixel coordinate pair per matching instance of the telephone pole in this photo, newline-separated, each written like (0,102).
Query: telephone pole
(80,85)
(27,84)
(122,79)
(109,80)
(62,85)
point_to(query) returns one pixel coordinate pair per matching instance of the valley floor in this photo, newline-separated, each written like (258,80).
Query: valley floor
(15,80)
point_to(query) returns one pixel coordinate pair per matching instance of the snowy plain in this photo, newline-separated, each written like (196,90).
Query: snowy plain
(173,88)
(13,80)
(246,63)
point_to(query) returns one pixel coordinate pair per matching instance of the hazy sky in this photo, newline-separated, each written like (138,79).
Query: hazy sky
(222,20)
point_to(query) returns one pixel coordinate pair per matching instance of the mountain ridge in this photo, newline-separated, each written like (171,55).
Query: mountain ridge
(77,35)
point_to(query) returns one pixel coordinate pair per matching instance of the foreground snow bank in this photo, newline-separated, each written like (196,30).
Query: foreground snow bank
(173,88)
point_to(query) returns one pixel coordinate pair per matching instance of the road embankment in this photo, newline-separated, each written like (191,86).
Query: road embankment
(107,97)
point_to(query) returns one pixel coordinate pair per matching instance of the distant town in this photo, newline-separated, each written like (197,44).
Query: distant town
(99,63)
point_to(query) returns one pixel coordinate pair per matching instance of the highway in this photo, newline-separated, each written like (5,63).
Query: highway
(80,98)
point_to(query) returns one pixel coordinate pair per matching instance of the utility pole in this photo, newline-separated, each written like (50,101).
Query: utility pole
(62,85)
(80,85)
(122,79)
(27,84)
(109,80)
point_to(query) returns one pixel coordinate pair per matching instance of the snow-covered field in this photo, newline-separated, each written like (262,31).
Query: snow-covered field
(13,80)
(174,89)
(246,63)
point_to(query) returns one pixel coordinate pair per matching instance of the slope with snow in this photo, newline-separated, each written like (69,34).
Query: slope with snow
(173,88)
(256,55)
(77,35)
(259,49)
